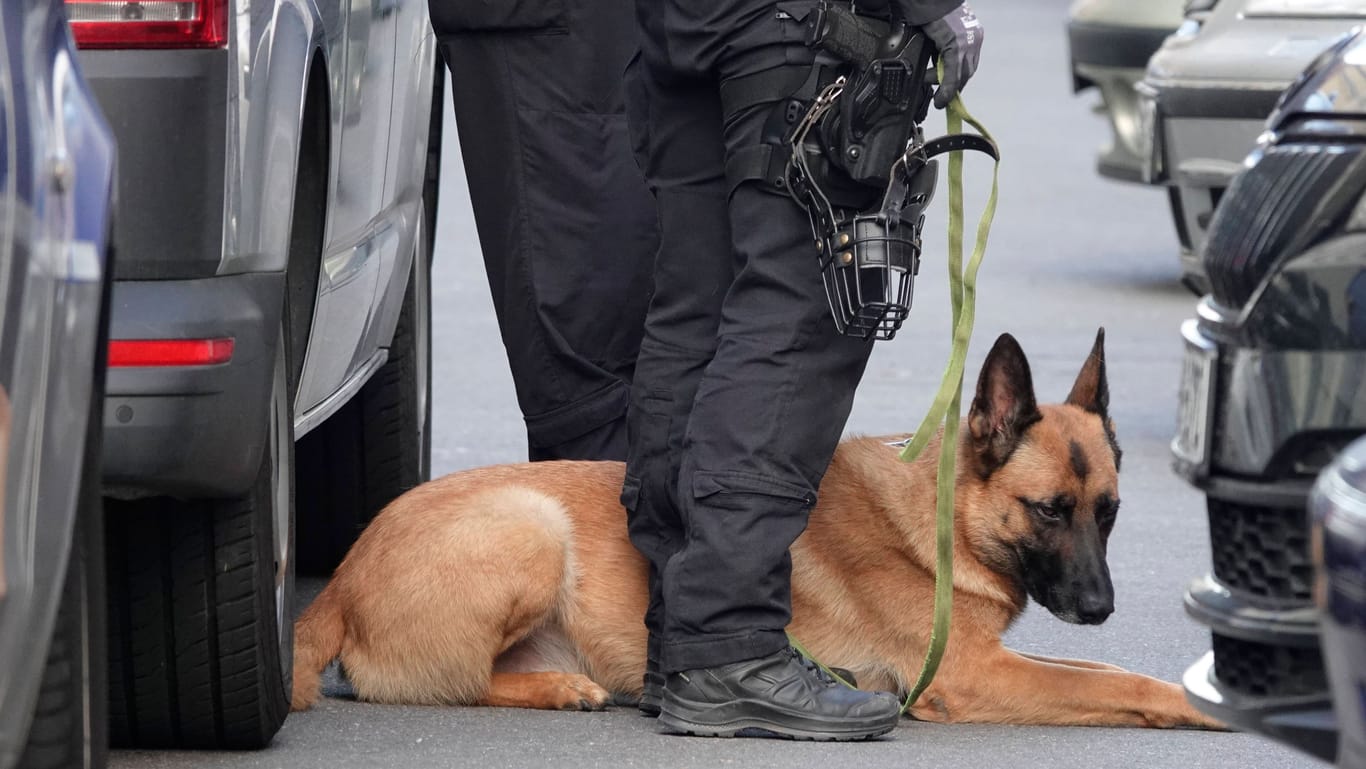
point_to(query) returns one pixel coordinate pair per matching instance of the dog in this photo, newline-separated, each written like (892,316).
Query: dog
(516,585)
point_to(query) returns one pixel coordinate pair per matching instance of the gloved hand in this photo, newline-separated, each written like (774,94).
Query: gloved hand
(958,35)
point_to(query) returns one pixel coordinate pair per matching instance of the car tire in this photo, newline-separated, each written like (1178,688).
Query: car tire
(378,445)
(201,632)
(69,722)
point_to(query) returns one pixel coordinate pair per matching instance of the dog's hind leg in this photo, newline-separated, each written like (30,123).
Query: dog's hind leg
(493,570)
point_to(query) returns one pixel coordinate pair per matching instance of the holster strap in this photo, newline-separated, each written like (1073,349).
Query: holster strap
(766,163)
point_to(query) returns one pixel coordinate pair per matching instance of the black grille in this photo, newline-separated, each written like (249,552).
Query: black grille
(1264,210)
(1261,551)
(1263,670)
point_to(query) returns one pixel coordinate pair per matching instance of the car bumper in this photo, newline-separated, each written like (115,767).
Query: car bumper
(1305,723)
(1277,413)
(191,431)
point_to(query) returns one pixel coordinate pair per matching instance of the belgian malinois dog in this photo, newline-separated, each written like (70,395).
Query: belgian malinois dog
(517,586)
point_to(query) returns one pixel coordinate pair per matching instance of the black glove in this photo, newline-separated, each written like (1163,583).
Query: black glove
(958,35)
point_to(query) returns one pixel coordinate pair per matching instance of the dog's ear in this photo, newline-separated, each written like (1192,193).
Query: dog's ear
(1091,391)
(1004,406)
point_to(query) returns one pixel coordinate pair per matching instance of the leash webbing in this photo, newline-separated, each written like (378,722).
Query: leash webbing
(947,405)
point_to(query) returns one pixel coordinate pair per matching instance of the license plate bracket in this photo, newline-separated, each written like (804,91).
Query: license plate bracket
(1195,406)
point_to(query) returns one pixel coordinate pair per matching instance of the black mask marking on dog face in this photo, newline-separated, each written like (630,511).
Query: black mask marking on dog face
(1062,561)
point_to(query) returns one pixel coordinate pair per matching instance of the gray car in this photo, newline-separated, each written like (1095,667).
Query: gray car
(270,331)
(1209,89)
(56,182)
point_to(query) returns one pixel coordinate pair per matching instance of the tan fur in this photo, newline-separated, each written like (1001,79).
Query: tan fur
(465,588)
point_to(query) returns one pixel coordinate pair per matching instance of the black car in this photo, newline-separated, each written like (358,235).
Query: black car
(1338,506)
(1274,387)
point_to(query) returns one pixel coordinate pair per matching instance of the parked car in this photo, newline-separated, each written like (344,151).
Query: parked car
(1109,42)
(56,183)
(270,330)
(1208,92)
(1273,390)
(1338,508)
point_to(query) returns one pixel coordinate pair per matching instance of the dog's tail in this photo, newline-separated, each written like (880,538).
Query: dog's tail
(317,641)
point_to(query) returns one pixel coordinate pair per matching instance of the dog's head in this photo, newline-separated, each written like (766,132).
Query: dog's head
(1046,483)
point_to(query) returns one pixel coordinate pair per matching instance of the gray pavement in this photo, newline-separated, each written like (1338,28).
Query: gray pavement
(1069,252)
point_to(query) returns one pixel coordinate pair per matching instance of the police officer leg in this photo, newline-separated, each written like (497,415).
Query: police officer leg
(682,158)
(763,425)
(565,222)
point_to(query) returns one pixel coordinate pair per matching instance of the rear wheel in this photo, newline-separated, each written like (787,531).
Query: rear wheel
(201,633)
(378,445)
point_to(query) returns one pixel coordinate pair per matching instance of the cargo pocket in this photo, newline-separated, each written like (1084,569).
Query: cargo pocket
(457,16)
(742,491)
(647,493)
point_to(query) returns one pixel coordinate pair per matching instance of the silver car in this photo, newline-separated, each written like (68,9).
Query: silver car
(1208,91)
(1109,42)
(270,330)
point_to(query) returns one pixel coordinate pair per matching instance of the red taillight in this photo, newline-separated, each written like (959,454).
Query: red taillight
(148,23)
(169,352)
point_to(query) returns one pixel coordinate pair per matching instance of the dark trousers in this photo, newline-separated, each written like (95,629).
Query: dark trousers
(565,221)
(742,387)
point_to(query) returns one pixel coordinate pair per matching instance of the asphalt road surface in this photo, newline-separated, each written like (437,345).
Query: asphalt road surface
(1069,252)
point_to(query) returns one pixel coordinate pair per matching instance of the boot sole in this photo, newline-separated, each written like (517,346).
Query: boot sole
(760,720)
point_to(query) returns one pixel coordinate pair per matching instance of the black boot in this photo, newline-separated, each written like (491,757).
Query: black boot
(783,694)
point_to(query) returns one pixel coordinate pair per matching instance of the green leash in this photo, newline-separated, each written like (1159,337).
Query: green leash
(947,405)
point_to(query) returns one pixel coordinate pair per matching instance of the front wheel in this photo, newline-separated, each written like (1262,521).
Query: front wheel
(201,634)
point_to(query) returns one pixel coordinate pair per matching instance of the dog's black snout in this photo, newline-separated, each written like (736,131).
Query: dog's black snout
(1095,608)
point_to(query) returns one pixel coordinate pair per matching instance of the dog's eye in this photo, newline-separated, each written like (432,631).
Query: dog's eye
(1046,512)
(1107,510)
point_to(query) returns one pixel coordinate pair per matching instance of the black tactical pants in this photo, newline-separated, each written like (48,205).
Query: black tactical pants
(565,222)
(742,387)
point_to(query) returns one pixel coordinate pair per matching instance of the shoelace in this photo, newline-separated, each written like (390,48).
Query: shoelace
(822,676)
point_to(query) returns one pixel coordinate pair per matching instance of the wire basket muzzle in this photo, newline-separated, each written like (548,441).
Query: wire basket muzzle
(868,266)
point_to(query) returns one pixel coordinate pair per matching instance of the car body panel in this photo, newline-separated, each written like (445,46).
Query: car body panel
(247,153)
(56,174)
